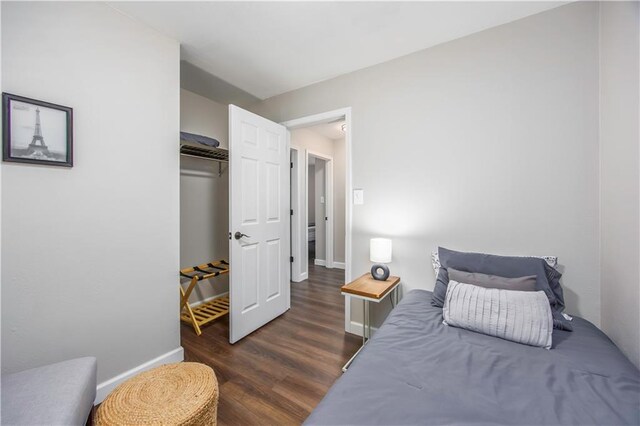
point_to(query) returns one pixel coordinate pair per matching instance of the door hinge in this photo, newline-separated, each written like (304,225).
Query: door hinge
(326,218)
(291,165)
(291,259)
(291,212)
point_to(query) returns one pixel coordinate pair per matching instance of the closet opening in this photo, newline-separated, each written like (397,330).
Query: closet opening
(234,222)
(204,224)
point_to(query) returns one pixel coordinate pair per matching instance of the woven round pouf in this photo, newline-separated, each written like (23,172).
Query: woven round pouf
(185,393)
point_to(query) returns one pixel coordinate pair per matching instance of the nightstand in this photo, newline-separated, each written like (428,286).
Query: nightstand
(368,290)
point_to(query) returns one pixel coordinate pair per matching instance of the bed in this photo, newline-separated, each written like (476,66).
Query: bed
(416,370)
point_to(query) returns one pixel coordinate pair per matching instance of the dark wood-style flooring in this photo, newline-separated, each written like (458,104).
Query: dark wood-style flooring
(279,373)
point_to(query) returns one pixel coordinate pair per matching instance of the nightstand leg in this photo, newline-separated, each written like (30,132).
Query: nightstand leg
(346,366)
(364,321)
(368,321)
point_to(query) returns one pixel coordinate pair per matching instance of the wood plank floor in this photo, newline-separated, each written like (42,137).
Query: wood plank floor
(279,373)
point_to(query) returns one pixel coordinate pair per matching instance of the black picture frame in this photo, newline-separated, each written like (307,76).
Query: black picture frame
(15,145)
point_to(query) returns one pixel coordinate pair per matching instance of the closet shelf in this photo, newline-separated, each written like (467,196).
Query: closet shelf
(191,149)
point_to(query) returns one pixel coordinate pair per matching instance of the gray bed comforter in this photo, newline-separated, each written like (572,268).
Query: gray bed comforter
(418,371)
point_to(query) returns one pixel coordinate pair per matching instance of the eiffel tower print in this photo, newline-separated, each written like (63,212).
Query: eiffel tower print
(37,146)
(45,137)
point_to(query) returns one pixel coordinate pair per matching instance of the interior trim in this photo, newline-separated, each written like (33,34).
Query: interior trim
(105,388)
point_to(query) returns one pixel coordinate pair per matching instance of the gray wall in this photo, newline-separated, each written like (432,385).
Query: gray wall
(90,253)
(339,207)
(620,245)
(203,116)
(204,221)
(204,196)
(486,143)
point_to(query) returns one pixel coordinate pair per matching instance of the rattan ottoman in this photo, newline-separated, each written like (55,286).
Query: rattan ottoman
(185,393)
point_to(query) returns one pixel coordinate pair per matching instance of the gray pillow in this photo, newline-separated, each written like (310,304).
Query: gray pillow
(435,261)
(503,266)
(519,316)
(527,283)
(547,278)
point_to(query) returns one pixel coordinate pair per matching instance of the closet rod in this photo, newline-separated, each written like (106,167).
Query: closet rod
(210,159)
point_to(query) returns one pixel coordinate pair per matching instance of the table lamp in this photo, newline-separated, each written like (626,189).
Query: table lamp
(380,253)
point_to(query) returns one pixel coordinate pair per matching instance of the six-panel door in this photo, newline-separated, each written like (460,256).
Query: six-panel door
(259,221)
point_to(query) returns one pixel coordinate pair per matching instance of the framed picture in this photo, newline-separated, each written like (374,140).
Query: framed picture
(36,132)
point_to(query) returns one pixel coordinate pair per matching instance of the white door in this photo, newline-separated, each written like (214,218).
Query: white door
(259,283)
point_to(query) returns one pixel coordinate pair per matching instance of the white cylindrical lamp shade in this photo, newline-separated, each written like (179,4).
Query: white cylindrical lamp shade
(380,250)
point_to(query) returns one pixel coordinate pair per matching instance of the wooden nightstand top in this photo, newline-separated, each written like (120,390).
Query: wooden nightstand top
(367,287)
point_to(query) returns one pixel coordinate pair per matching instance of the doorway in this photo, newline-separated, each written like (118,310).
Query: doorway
(320,209)
(331,195)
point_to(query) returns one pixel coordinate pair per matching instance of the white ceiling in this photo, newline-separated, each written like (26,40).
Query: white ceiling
(268,48)
(329,130)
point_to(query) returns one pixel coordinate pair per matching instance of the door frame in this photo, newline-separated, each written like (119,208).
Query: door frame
(299,266)
(328,203)
(326,117)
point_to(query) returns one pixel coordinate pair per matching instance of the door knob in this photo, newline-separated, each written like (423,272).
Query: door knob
(239,235)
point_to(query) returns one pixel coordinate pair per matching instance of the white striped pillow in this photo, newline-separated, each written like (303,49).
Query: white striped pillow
(518,316)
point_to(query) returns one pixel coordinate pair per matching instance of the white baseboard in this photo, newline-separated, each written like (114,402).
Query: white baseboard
(356,328)
(176,355)
(322,262)
(299,277)
(105,388)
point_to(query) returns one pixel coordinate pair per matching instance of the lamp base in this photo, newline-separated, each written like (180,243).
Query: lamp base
(377,275)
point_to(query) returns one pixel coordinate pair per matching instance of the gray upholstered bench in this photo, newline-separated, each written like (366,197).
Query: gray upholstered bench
(56,394)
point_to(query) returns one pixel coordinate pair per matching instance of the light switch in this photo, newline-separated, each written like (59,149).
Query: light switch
(358,196)
(322,199)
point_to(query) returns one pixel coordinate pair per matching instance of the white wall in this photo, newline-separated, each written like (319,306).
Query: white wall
(486,143)
(204,195)
(90,254)
(620,177)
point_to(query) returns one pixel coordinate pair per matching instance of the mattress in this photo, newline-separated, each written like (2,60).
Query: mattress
(417,370)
